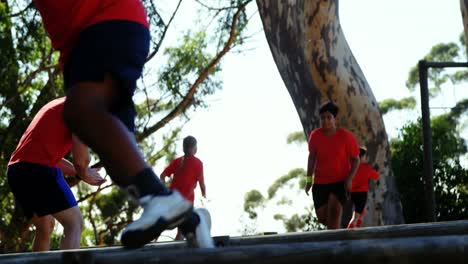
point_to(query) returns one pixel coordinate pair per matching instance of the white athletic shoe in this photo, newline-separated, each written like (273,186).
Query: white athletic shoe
(160,213)
(202,237)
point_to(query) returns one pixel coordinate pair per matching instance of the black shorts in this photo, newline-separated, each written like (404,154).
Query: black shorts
(116,47)
(359,200)
(321,192)
(38,189)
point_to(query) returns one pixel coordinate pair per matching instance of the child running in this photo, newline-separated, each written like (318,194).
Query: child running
(35,175)
(333,159)
(103,47)
(360,188)
(186,171)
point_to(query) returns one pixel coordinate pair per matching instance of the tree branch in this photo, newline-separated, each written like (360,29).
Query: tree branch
(20,13)
(184,104)
(158,45)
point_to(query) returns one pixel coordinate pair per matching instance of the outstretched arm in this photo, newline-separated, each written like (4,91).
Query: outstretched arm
(81,160)
(311,161)
(354,161)
(202,187)
(81,157)
(201,181)
(67,167)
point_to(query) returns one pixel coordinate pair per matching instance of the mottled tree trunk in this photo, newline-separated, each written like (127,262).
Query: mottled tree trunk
(464,11)
(316,64)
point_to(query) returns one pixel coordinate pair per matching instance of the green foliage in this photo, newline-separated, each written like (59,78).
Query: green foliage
(281,181)
(115,211)
(298,223)
(30,77)
(252,200)
(297,137)
(388,105)
(442,52)
(185,64)
(450,178)
(295,178)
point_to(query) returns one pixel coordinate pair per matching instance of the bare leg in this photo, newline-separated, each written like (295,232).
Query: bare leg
(334,212)
(354,219)
(360,218)
(179,235)
(44,228)
(72,223)
(322,214)
(86,112)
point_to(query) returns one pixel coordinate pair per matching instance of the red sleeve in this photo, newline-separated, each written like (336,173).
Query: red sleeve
(200,176)
(170,169)
(373,174)
(312,141)
(352,148)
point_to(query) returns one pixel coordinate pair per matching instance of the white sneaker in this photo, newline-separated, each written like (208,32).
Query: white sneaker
(160,213)
(202,237)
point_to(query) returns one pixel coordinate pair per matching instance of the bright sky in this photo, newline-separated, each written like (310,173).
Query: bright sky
(242,135)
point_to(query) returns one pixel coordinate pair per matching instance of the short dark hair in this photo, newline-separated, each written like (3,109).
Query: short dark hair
(329,106)
(189,143)
(362,151)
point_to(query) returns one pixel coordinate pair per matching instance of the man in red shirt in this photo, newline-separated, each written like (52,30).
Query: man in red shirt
(333,159)
(360,188)
(103,46)
(36,180)
(186,171)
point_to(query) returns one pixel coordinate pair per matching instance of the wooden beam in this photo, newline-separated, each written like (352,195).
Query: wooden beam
(420,243)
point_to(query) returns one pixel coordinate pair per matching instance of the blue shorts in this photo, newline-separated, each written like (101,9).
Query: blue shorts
(40,190)
(118,48)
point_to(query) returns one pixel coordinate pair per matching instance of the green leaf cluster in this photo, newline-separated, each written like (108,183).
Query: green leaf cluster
(30,77)
(450,177)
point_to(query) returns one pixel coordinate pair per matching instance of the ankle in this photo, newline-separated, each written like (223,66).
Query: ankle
(146,183)
(190,224)
(359,222)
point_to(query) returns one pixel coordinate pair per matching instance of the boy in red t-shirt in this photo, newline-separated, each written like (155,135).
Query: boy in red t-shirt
(333,159)
(186,171)
(360,188)
(103,47)
(35,175)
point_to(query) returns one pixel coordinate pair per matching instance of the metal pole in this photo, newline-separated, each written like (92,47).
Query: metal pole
(427,142)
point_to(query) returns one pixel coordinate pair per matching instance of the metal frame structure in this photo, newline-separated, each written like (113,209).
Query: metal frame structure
(423,67)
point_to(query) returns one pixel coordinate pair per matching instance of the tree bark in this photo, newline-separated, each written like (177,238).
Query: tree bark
(464,11)
(316,64)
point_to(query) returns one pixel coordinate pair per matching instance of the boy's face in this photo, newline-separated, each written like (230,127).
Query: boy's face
(363,158)
(327,120)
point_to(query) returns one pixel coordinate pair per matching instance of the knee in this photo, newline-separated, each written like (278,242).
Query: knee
(334,212)
(76,226)
(321,216)
(46,227)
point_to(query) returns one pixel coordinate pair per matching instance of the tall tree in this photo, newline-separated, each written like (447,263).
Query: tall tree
(316,64)
(30,77)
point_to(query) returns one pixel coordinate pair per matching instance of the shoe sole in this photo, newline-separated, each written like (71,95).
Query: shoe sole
(138,238)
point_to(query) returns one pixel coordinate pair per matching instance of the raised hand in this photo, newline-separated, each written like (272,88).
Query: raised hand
(93,177)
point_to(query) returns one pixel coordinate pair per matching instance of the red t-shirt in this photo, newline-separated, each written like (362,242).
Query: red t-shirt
(47,139)
(332,154)
(65,19)
(361,179)
(185,179)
